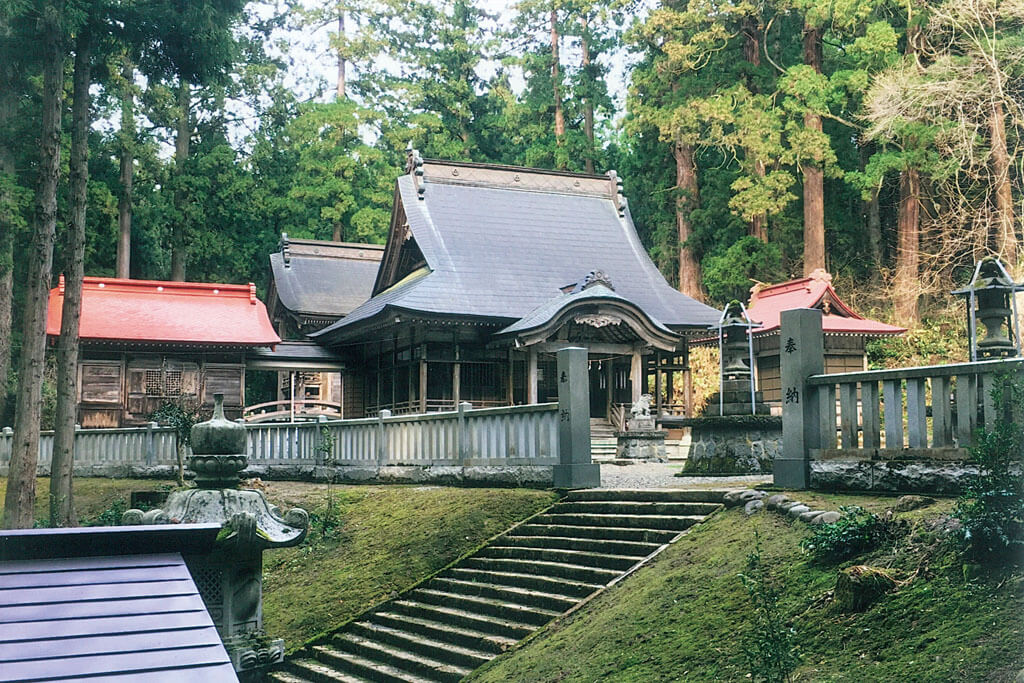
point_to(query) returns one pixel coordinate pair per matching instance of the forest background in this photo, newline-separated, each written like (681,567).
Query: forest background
(757,140)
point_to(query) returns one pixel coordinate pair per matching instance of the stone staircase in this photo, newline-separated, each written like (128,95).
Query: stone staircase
(537,571)
(602,440)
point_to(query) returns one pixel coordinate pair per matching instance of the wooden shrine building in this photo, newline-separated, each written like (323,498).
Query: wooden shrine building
(314,283)
(846,332)
(145,342)
(488,271)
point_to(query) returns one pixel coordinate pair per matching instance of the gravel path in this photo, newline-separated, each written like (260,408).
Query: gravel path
(653,475)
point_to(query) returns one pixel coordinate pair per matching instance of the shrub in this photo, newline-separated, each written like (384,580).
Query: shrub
(991,509)
(857,531)
(770,645)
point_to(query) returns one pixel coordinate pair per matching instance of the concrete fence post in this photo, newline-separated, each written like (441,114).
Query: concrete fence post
(6,439)
(801,345)
(382,446)
(574,469)
(318,441)
(150,443)
(462,434)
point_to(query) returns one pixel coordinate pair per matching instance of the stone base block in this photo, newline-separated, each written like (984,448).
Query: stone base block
(577,476)
(733,445)
(790,474)
(648,445)
(891,476)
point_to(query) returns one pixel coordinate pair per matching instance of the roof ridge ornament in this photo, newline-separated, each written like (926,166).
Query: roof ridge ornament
(283,246)
(618,196)
(594,277)
(414,166)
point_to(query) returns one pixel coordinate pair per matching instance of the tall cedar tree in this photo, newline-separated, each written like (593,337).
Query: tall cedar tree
(62,509)
(21,480)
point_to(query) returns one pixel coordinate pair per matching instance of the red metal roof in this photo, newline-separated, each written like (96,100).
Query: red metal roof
(155,311)
(814,291)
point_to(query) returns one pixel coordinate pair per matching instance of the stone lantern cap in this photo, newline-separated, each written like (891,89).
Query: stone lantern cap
(990,274)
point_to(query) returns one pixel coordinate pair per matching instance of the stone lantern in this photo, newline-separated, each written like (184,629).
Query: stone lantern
(230,579)
(989,297)
(737,394)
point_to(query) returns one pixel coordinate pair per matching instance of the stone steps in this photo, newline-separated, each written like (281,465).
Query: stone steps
(445,628)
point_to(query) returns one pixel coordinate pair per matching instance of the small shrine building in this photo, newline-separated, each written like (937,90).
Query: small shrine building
(146,342)
(488,271)
(846,332)
(315,283)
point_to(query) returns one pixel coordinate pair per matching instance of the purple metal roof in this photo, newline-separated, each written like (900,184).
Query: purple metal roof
(115,618)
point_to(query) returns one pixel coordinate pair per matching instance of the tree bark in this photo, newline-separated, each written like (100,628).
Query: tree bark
(124,201)
(906,287)
(181,150)
(20,499)
(556,88)
(1005,237)
(814,175)
(341,56)
(688,200)
(7,223)
(752,53)
(62,509)
(588,102)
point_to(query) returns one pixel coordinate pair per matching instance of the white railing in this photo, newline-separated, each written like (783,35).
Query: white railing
(518,435)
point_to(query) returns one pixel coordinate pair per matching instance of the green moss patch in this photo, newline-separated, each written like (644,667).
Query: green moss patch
(379,541)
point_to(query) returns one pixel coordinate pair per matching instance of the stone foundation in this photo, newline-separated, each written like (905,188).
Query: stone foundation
(740,444)
(894,476)
(645,445)
(513,476)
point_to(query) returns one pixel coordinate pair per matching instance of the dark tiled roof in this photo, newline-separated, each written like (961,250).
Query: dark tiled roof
(131,618)
(326,279)
(550,309)
(500,252)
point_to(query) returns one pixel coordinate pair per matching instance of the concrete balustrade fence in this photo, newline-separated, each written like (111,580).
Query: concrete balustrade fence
(518,435)
(908,429)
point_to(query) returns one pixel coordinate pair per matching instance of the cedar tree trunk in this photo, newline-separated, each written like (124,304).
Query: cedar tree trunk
(752,53)
(687,201)
(1005,238)
(341,56)
(908,253)
(588,102)
(555,86)
(814,175)
(62,508)
(181,145)
(21,480)
(124,202)
(7,169)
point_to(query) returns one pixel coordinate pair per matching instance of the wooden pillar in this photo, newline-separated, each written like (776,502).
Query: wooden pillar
(531,376)
(658,380)
(511,378)
(609,382)
(456,378)
(636,374)
(423,380)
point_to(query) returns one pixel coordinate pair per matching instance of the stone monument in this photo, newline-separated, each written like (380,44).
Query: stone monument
(230,579)
(642,439)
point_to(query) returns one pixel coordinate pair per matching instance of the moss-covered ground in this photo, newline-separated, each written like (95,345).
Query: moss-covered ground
(370,543)
(684,617)
(374,542)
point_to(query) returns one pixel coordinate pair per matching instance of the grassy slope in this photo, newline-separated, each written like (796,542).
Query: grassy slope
(93,496)
(390,537)
(683,617)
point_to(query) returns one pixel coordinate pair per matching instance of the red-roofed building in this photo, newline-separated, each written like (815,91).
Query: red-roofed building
(846,332)
(144,342)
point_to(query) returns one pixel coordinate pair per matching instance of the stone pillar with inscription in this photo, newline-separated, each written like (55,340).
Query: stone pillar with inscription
(803,354)
(574,469)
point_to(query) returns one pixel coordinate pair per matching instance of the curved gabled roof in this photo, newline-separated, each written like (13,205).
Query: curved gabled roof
(327,279)
(499,251)
(814,291)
